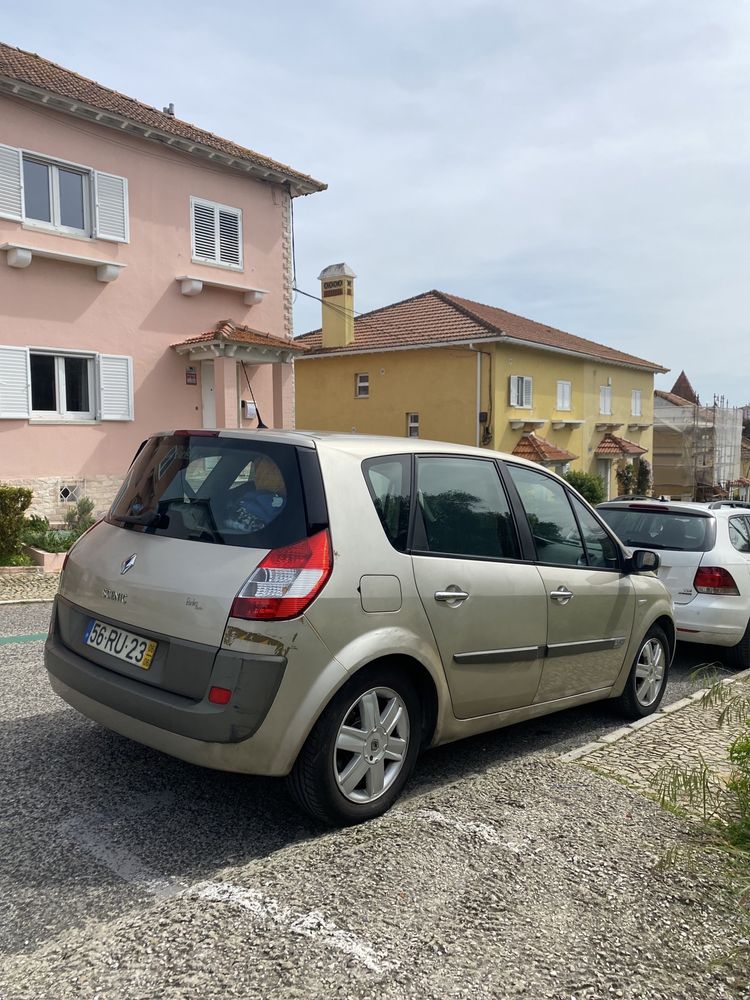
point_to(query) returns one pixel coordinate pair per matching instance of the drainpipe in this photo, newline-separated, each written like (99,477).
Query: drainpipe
(479,354)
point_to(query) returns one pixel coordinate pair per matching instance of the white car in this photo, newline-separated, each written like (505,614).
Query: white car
(705,565)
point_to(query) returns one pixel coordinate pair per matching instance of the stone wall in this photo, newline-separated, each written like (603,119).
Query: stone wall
(49,493)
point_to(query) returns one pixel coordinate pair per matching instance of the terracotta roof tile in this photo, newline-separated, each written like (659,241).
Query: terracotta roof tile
(613,446)
(672,398)
(539,449)
(436,318)
(27,67)
(233,333)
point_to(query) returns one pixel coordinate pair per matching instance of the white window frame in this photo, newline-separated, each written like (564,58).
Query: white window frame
(110,384)
(216,261)
(605,400)
(62,413)
(521,391)
(53,166)
(105,201)
(361,385)
(412,425)
(564,388)
(636,403)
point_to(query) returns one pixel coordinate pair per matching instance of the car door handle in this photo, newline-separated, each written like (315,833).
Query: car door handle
(451,595)
(562,595)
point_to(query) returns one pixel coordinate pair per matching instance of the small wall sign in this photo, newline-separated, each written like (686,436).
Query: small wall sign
(191,376)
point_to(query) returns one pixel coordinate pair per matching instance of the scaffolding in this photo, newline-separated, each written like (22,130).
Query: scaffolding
(696,448)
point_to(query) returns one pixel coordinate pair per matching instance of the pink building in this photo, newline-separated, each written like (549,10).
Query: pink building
(145,281)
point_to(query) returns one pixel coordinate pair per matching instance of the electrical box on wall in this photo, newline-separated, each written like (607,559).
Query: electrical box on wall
(249,409)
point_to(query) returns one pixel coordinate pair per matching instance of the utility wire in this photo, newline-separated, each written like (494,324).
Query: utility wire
(326,302)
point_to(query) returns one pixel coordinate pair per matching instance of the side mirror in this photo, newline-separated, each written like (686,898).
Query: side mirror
(645,561)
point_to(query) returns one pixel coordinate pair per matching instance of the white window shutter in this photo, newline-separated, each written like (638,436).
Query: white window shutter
(11,183)
(111,199)
(15,383)
(203,224)
(513,390)
(526,390)
(115,382)
(230,238)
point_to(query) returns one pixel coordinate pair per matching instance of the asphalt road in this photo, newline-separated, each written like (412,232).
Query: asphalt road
(125,873)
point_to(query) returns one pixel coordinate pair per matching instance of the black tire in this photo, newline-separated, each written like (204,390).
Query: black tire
(313,782)
(639,699)
(738,657)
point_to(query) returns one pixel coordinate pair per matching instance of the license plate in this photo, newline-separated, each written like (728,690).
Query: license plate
(117,642)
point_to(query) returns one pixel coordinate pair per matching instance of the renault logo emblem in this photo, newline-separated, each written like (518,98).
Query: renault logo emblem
(127,564)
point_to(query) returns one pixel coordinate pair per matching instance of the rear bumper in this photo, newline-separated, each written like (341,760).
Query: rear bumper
(253,679)
(716,621)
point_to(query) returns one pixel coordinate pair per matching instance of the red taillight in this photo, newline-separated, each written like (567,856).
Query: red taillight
(219,696)
(286,581)
(715,580)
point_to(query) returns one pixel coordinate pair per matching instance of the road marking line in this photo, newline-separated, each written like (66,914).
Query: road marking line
(36,637)
(311,925)
(93,832)
(484,831)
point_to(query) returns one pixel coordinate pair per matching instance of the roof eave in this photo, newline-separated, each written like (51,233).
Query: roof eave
(299,184)
(489,339)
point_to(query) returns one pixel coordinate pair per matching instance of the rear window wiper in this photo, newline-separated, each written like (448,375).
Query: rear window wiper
(147,520)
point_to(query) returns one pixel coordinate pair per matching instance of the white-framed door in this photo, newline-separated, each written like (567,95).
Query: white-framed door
(208,395)
(604,469)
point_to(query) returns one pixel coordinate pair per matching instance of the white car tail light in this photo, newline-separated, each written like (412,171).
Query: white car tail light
(715,580)
(286,581)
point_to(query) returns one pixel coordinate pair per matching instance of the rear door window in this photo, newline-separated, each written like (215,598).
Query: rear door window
(206,488)
(463,509)
(739,533)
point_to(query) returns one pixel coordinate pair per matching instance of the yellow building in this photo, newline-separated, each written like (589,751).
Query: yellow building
(441,367)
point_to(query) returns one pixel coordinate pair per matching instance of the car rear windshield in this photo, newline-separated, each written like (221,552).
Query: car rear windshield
(660,529)
(205,488)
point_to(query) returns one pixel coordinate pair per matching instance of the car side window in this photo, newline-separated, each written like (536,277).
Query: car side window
(556,535)
(464,509)
(389,482)
(739,533)
(601,550)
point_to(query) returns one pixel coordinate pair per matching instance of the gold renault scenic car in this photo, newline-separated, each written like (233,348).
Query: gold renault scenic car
(324,606)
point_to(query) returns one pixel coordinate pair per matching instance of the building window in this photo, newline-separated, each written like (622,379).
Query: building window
(43,384)
(62,386)
(216,234)
(564,395)
(56,195)
(361,385)
(520,390)
(605,399)
(635,403)
(412,425)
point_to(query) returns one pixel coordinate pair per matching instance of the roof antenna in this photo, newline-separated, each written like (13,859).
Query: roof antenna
(261,425)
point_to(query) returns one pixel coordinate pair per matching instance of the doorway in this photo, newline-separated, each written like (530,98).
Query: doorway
(208,396)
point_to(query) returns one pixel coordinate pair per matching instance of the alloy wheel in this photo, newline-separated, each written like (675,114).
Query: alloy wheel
(371,745)
(649,672)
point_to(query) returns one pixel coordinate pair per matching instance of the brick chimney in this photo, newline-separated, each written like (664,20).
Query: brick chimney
(337,293)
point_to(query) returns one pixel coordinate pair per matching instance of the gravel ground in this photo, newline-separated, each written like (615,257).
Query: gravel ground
(504,872)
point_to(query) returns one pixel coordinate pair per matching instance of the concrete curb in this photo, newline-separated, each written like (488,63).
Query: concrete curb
(618,734)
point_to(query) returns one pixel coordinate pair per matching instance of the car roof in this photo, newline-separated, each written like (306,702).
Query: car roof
(361,445)
(714,508)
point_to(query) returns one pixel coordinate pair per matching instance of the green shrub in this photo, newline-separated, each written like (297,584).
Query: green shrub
(34,530)
(588,485)
(625,476)
(80,518)
(20,559)
(643,478)
(14,501)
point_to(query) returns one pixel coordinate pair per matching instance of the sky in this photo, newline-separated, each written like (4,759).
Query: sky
(584,163)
